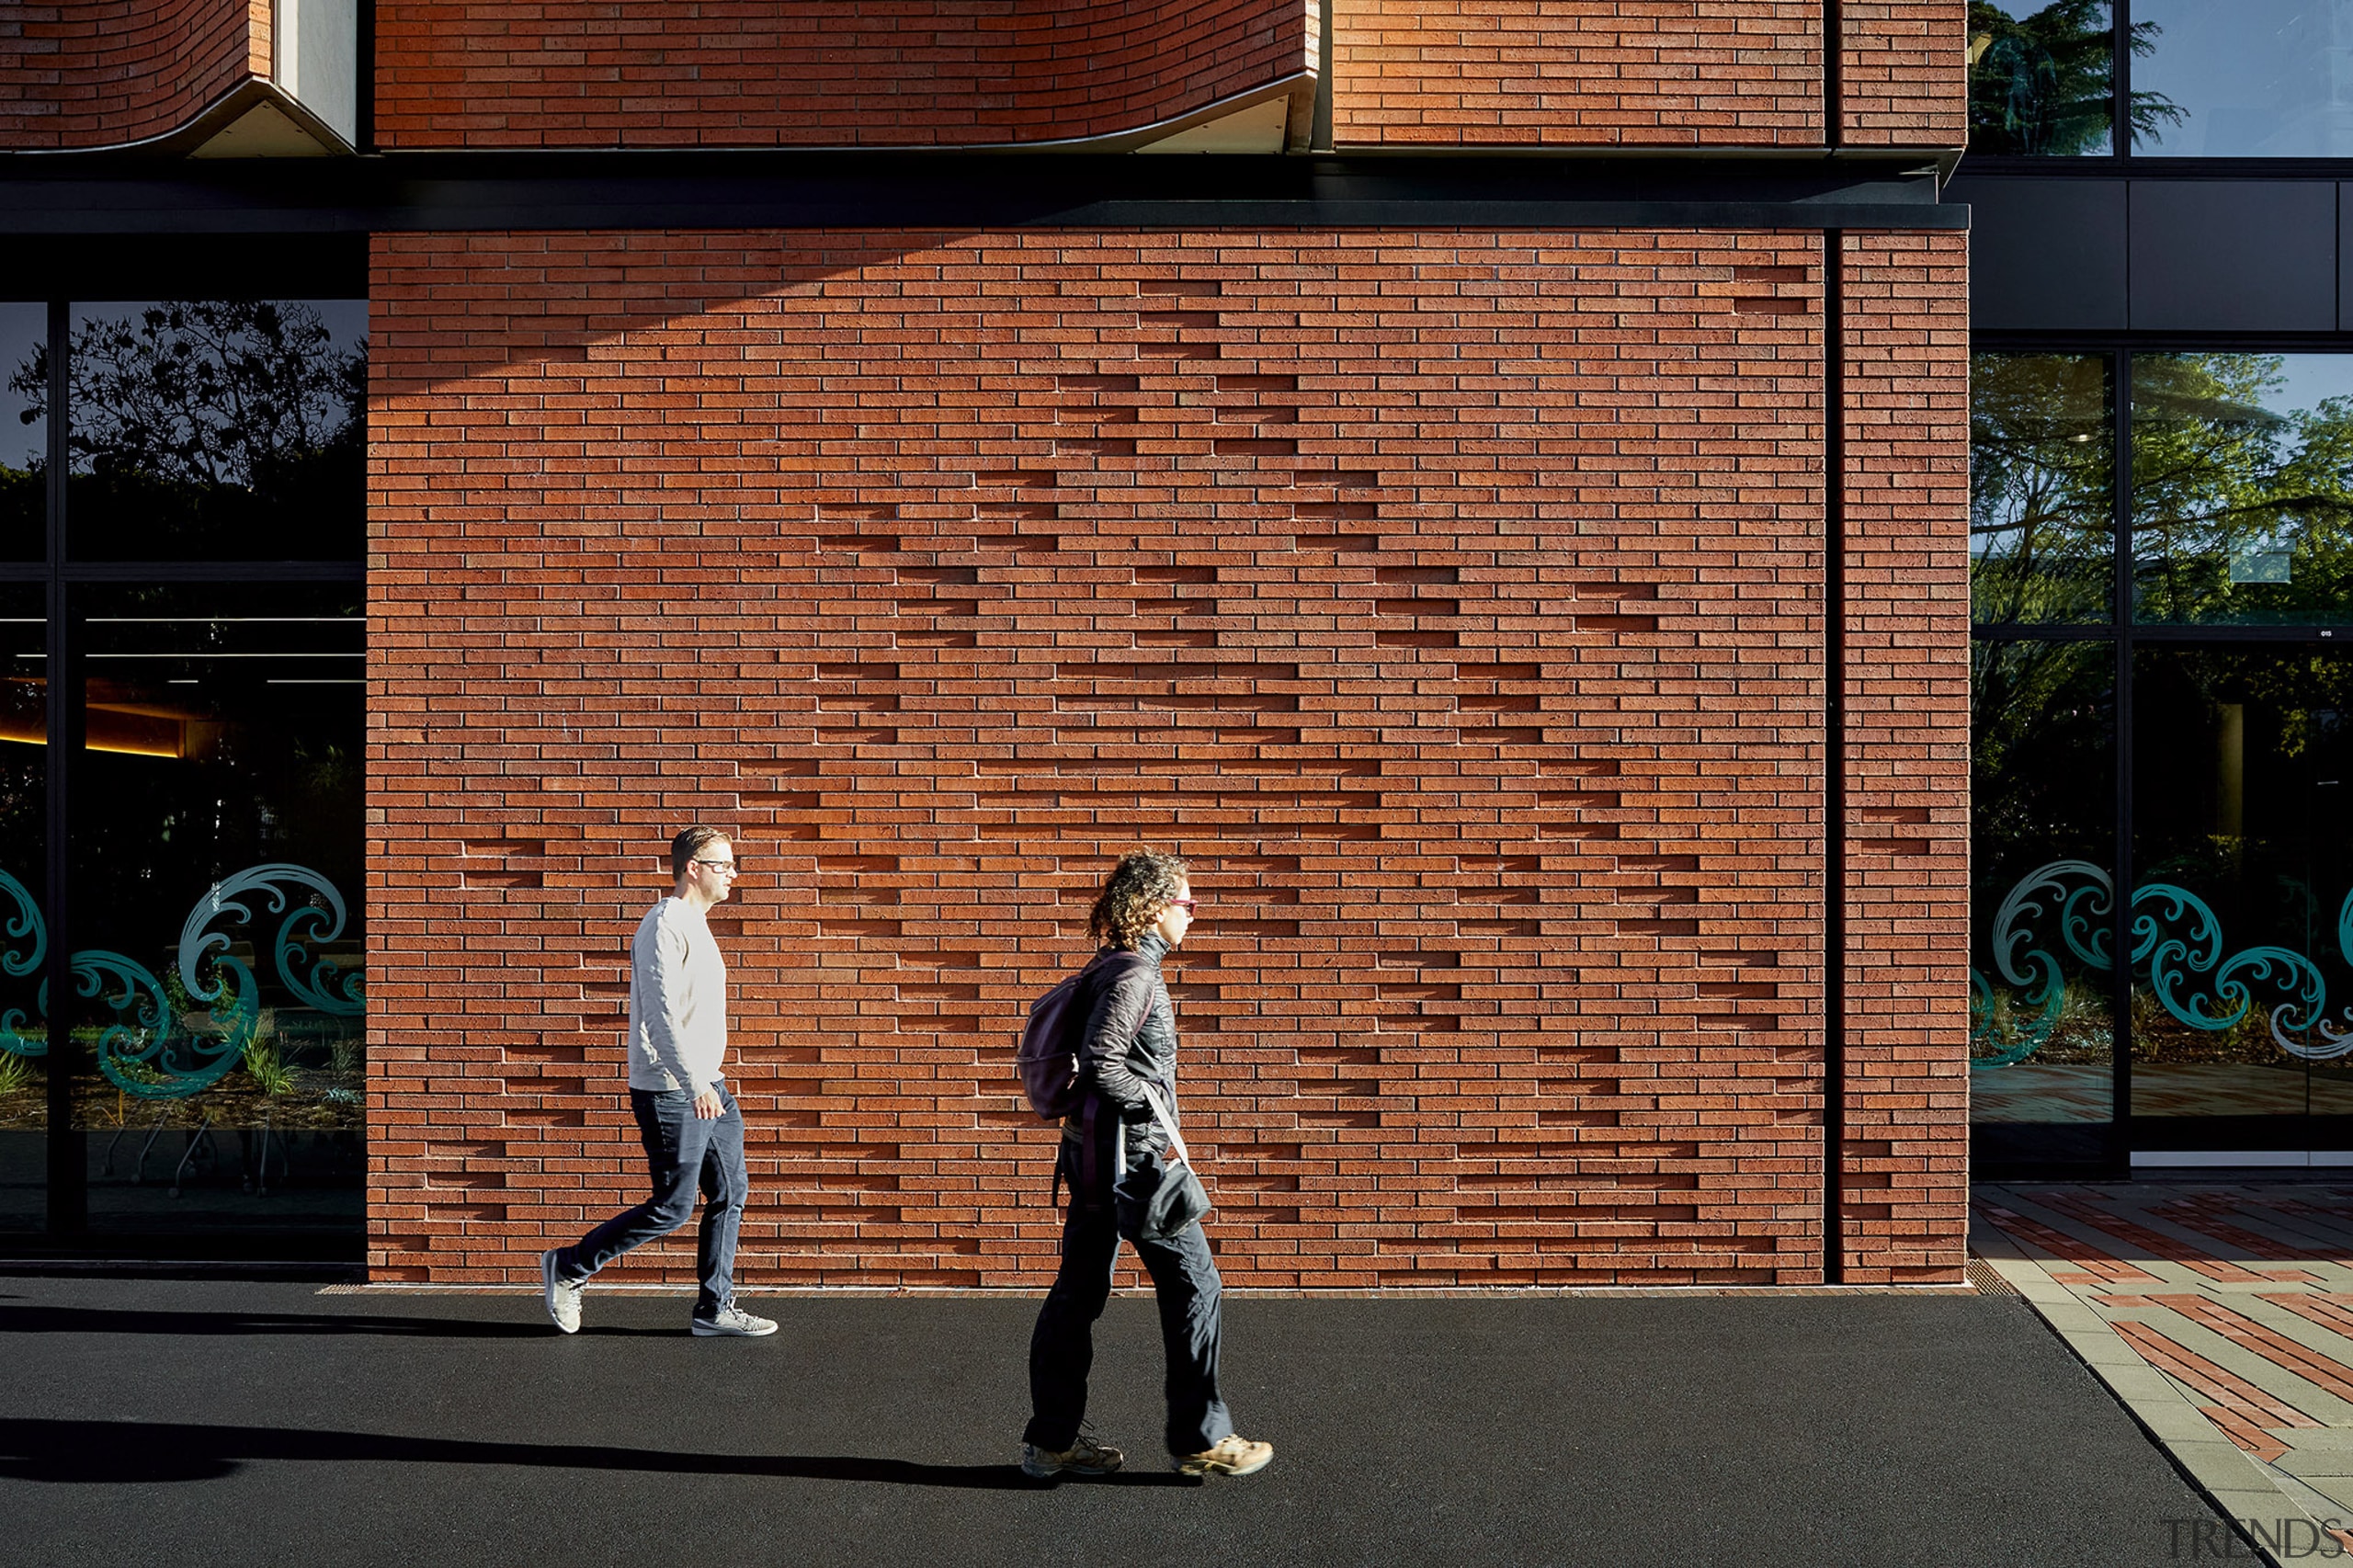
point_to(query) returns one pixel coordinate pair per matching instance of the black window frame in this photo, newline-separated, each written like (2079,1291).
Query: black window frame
(67,1215)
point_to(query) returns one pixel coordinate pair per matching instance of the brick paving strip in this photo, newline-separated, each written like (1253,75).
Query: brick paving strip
(2240,1361)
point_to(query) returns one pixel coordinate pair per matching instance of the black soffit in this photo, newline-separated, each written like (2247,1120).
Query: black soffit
(475,192)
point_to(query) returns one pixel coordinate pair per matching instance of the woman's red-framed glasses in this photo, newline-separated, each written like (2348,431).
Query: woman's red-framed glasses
(1184,904)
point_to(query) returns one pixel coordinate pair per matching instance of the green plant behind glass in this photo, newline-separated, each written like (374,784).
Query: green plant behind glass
(2220,483)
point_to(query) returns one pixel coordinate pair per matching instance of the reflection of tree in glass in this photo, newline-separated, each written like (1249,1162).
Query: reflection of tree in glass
(2218,480)
(213,424)
(2042,85)
(2040,521)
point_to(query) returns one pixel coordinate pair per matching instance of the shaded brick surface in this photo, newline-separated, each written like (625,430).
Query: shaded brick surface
(104,73)
(651,72)
(1451,598)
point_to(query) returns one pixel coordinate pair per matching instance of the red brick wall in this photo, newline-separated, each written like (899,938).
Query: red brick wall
(1904,73)
(649,73)
(1664,74)
(1679,73)
(1451,598)
(1906,526)
(105,73)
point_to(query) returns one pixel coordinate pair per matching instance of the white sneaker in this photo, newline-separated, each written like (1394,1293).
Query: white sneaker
(562,1296)
(1231,1456)
(734,1322)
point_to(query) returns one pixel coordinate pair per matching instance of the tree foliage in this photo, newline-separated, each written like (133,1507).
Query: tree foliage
(2241,515)
(2043,86)
(222,427)
(2042,488)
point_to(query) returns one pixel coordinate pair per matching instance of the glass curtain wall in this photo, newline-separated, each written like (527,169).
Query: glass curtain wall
(2165,684)
(182,984)
(2162,78)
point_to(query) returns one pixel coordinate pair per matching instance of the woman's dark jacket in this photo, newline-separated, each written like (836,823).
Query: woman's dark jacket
(1130,1037)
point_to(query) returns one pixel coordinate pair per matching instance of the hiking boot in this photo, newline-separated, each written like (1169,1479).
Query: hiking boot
(1233,1455)
(733,1322)
(1084,1457)
(562,1296)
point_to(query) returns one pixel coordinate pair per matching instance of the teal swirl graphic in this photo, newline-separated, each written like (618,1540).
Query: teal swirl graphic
(2175,935)
(140,1052)
(2076,894)
(143,1050)
(19,958)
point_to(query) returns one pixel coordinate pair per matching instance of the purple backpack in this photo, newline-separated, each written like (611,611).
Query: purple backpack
(1047,1047)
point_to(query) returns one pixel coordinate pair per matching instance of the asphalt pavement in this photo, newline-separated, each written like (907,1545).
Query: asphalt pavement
(195,1422)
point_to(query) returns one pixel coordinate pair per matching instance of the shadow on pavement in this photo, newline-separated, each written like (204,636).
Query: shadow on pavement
(78,1320)
(120,1452)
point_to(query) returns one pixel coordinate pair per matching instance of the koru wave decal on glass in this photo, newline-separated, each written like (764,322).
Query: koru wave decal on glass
(148,1051)
(2069,903)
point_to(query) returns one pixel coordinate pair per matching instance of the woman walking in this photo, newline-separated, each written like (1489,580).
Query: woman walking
(1127,1062)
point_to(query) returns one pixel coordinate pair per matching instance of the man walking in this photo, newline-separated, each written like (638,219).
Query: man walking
(692,1128)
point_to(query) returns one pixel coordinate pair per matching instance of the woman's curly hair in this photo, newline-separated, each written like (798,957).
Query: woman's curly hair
(1139,888)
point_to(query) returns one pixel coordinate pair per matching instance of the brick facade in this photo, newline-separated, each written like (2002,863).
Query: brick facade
(1726,72)
(117,71)
(1453,599)
(1904,73)
(1906,526)
(652,74)
(1671,74)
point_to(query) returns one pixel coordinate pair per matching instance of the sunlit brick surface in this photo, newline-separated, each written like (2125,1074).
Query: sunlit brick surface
(1452,599)
(1729,72)
(1904,73)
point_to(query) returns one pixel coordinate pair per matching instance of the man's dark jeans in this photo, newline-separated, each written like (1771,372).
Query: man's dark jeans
(1061,1348)
(686,1153)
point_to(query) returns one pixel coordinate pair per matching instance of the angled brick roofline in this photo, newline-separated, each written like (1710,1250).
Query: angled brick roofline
(163,77)
(123,72)
(835,74)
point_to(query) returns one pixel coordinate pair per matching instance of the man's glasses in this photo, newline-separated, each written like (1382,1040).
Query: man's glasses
(732,868)
(1184,904)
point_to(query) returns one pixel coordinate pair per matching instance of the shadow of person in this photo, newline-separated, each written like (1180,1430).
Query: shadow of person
(115,1452)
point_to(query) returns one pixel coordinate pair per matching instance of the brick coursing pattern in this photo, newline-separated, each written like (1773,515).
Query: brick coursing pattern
(1675,73)
(115,72)
(1904,72)
(1451,598)
(1662,74)
(1906,336)
(764,73)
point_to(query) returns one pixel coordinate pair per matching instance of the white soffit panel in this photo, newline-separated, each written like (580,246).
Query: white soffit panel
(1259,129)
(262,131)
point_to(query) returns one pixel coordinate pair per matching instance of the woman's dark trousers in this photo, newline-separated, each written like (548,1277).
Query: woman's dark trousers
(1061,1348)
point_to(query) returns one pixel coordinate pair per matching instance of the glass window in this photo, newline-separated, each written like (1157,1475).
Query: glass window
(2242,488)
(2041,78)
(218,430)
(2243,954)
(2044,831)
(2041,489)
(2241,78)
(24,932)
(24,432)
(217,878)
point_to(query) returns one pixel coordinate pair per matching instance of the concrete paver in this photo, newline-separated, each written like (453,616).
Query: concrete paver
(2222,1314)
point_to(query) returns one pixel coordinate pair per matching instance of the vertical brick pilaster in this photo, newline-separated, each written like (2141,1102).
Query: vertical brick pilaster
(1906,344)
